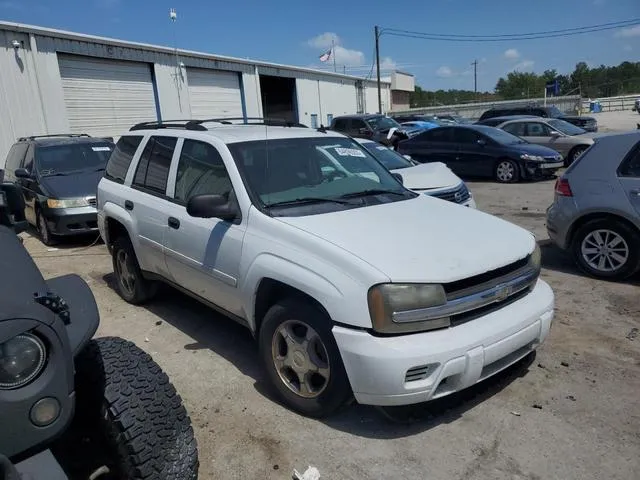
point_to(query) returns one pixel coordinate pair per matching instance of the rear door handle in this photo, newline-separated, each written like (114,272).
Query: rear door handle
(128,205)
(174,223)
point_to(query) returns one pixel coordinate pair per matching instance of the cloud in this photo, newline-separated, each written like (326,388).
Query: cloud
(627,48)
(512,54)
(345,56)
(628,32)
(324,40)
(524,65)
(444,72)
(387,63)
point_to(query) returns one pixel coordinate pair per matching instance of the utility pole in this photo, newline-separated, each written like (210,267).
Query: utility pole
(376,31)
(475,78)
(333,53)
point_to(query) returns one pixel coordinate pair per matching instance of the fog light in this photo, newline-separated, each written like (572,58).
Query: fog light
(45,411)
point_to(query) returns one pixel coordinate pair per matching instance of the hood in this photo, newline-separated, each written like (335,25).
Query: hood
(533,149)
(79,184)
(421,240)
(577,117)
(427,176)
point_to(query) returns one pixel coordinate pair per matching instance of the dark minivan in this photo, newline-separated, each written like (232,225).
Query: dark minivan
(58,176)
(477,150)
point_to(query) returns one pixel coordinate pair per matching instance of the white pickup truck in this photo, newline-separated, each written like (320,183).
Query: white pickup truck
(352,284)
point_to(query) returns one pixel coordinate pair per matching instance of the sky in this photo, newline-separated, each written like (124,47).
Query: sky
(298,32)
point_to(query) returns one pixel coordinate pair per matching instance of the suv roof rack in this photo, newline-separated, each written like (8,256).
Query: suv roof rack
(54,135)
(196,124)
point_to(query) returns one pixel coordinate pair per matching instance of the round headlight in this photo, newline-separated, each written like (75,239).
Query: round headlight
(22,358)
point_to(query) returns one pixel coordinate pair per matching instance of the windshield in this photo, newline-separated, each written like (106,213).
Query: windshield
(73,157)
(500,136)
(565,127)
(382,123)
(554,112)
(294,171)
(387,157)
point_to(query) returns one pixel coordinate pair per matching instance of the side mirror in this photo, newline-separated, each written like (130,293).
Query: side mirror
(481,142)
(408,157)
(22,173)
(555,133)
(212,206)
(398,177)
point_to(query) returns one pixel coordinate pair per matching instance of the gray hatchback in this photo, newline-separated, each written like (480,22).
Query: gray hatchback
(596,210)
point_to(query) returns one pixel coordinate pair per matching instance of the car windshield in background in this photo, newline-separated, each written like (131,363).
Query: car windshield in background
(500,136)
(554,112)
(566,127)
(389,158)
(72,157)
(382,123)
(299,171)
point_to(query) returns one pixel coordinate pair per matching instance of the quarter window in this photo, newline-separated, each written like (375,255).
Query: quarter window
(153,168)
(200,171)
(631,167)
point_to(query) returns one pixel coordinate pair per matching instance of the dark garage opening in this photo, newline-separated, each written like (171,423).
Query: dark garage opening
(279,97)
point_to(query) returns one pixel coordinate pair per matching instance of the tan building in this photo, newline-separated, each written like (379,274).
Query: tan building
(402,84)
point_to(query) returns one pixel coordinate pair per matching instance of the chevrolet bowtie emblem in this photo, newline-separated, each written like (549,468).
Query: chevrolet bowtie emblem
(502,292)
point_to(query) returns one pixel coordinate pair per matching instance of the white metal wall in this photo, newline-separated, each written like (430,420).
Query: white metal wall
(106,97)
(214,93)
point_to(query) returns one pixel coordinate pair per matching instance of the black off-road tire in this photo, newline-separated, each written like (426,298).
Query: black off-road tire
(124,395)
(630,236)
(144,290)
(338,390)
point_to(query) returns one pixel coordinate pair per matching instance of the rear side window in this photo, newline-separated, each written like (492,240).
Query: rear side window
(120,159)
(153,168)
(465,135)
(340,124)
(631,165)
(515,129)
(15,156)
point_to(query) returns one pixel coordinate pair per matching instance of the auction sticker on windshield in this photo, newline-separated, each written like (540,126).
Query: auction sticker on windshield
(101,149)
(349,152)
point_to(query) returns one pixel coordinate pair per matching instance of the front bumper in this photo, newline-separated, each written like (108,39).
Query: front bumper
(542,169)
(71,221)
(382,370)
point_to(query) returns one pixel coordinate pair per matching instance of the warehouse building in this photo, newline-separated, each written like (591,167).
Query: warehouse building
(53,81)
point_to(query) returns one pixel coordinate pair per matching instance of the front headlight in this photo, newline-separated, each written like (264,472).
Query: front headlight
(67,202)
(536,258)
(535,158)
(22,358)
(394,307)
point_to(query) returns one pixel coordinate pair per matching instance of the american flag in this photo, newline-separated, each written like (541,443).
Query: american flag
(326,55)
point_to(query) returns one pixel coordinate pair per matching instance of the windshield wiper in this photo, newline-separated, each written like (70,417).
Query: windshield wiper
(307,200)
(365,193)
(101,169)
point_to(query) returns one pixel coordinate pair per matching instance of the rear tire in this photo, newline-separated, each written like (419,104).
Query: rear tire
(126,398)
(507,171)
(298,334)
(619,244)
(130,283)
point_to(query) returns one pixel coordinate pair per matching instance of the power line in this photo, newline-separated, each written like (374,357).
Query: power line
(510,37)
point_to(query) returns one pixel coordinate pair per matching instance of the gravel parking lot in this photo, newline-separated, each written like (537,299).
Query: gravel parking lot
(572,412)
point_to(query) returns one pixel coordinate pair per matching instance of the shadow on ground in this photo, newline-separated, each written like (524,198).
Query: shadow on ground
(67,242)
(235,343)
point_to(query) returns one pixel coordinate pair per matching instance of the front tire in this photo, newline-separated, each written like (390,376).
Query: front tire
(130,283)
(507,171)
(302,359)
(575,154)
(124,397)
(607,248)
(45,232)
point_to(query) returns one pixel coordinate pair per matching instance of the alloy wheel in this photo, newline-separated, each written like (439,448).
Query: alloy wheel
(300,358)
(605,250)
(126,276)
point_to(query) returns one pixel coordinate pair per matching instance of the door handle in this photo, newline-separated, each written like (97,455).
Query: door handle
(128,205)
(635,192)
(174,222)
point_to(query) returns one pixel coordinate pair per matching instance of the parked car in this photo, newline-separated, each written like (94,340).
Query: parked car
(453,118)
(59,176)
(589,124)
(70,404)
(563,137)
(352,284)
(477,150)
(595,214)
(435,179)
(495,121)
(419,118)
(419,125)
(379,128)
(637,105)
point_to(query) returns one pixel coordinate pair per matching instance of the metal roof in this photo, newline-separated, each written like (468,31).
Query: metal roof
(52,32)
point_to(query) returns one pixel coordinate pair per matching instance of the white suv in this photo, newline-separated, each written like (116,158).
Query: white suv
(322,264)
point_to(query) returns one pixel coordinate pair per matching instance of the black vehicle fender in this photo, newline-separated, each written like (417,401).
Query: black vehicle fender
(83,309)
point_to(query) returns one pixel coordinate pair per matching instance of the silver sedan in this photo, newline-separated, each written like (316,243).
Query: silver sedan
(567,139)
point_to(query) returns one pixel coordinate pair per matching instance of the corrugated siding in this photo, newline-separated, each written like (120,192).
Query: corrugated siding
(106,97)
(214,93)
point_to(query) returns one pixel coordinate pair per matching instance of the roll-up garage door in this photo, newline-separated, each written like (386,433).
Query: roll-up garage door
(106,97)
(214,93)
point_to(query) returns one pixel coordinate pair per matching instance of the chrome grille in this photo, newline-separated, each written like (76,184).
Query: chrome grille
(459,194)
